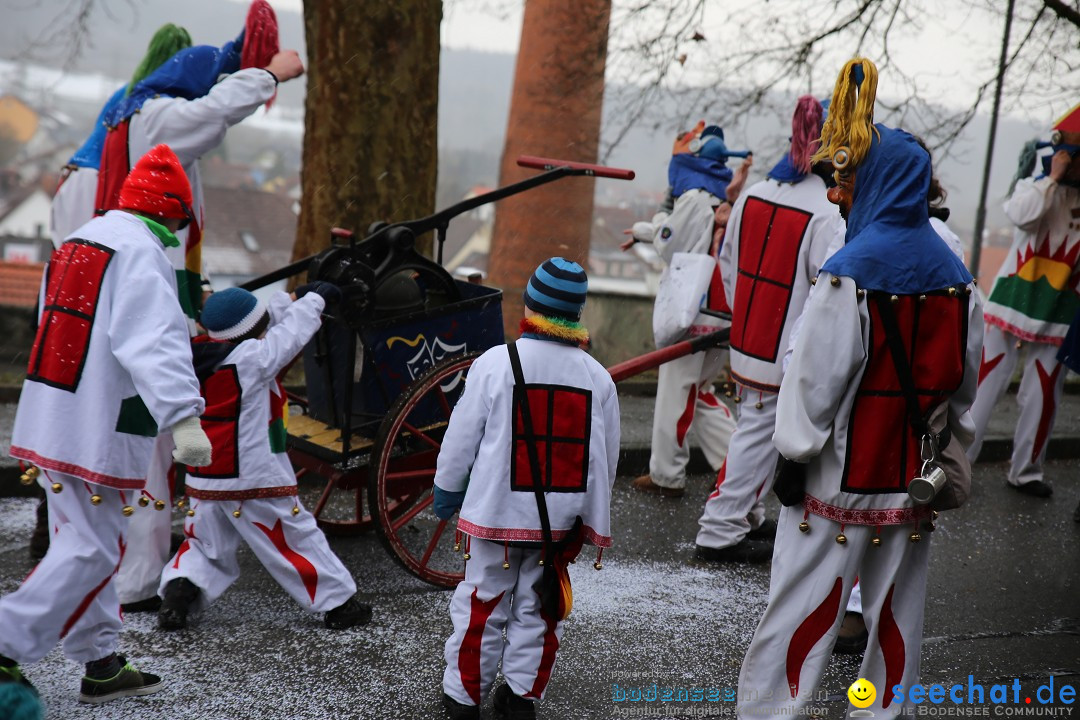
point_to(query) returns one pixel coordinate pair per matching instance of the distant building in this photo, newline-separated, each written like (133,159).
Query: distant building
(248,233)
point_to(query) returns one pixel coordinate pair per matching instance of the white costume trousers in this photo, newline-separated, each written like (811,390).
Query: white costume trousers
(734,507)
(70,595)
(150,531)
(1039,395)
(291,547)
(684,400)
(488,601)
(812,575)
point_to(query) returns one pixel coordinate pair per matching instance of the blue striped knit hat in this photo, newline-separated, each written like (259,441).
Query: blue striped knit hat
(231,314)
(557,289)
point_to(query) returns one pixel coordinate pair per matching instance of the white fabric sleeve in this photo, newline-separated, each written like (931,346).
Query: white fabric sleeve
(148,335)
(279,304)
(960,420)
(193,128)
(285,340)
(466,429)
(827,355)
(687,229)
(839,231)
(612,432)
(1029,202)
(727,257)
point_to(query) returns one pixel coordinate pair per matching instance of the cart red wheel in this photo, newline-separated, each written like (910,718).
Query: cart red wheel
(403,473)
(339,506)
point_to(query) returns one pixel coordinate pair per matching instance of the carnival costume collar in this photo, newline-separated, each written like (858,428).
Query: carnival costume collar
(189,74)
(890,244)
(554,329)
(785,172)
(689,172)
(162,233)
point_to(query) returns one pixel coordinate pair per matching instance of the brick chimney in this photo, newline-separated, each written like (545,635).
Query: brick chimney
(555,112)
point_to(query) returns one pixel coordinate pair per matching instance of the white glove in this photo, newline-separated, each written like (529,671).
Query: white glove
(192,445)
(643,231)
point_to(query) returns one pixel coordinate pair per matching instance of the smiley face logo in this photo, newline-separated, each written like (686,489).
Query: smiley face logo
(862,693)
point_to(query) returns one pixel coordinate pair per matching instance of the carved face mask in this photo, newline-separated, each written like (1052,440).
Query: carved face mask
(843,194)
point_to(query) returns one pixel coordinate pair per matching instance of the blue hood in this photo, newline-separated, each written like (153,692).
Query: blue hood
(689,172)
(189,74)
(890,245)
(89,153)
(785,172)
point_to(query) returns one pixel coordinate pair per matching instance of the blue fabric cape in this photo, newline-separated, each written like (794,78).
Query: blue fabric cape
(189,74)
(689,172)
(890,245)
(89,153)
(785,172)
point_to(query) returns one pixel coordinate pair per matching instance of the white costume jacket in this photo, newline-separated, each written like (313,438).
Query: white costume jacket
(767,285)
(246,412)
(73,205)
(847,444)
(1035,293)
(111,363)
(579,446)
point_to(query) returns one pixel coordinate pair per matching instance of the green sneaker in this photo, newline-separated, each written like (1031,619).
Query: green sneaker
(13,674)
(128,682)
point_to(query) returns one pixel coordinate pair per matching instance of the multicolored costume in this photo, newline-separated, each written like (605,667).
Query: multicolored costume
(249,493)
(842,412)
(1033,300)
(777,238)
(484,461)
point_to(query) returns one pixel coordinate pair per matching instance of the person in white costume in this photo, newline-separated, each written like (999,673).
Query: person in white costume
(1031,305)
(777,238)
(486,469)
(184,104)
(703,189)
(249,494)
(842,419)
(110,365)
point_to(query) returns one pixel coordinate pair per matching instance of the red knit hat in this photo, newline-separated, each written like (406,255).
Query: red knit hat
(158,186)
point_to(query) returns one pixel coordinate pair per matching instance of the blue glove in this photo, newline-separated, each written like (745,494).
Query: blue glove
(330,292)
(447,502)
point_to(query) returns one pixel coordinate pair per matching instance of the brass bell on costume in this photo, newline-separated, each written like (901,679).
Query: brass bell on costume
(236,513)
(468,556)
(457,547)
(127,510)
(598,565)
(28,477)
(296,510)
(804,527)
(922,298)
(191,513)
(759,405)
(894,299)
(835,282)
(180,504)
(144,501)
(57,487)
(952,292)
(738,399)
(875,541)
(506,565)
(95,499)
(915,537)
(841,539)
(159,504)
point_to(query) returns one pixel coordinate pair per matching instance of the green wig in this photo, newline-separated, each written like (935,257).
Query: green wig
(167,41)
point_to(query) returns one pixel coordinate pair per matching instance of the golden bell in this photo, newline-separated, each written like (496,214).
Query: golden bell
(180,504)
(598,565)
(894,299)
(33,471)
(457,547)
(144,501)
(804,527)
(875,541)
(25,479)
(191,513)
(1019,344)
(506,565)
(860,294)
(728,393)
(758,405)
(468,556)
(57,487)
(95,499)
(159,504)
(813,280)
(236,513)
(541,562)
(835,282)
(931,527)
(841,539)
(296,510)
(127,510)
(922,298)
(967,290)
(935,514)
(738,399)
(915,537)
(952,292)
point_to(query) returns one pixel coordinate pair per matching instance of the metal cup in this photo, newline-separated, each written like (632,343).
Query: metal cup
(923,488)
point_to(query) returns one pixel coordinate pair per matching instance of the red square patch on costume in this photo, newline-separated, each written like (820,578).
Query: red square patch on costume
(561,427)
(221,423)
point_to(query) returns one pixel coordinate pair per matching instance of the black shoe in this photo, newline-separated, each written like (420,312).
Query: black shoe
(459,711)
(13,674)
(150,604)
(39,539)
(509,706)
(180,595)
(1035,488)
(349,614)
(767,531)
(853,635)
(746,551)
(126,683)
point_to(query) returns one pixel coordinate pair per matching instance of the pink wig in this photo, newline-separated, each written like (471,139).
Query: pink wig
(805,132)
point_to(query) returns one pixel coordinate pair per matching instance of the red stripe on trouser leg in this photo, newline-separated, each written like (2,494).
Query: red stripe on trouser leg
(469,652)
(687,417)
(812,629)
(719,479)
(987,366)
(308,574)
(1049,404)
(709,399)
(892,647)
(92,594)
(547,659)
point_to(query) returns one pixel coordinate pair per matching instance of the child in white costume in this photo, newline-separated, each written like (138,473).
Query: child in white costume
(842,413)
(111,364)
(485,470)
(249,493)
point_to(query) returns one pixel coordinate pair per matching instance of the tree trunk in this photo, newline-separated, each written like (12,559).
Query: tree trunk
(554,112)
(371,115)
